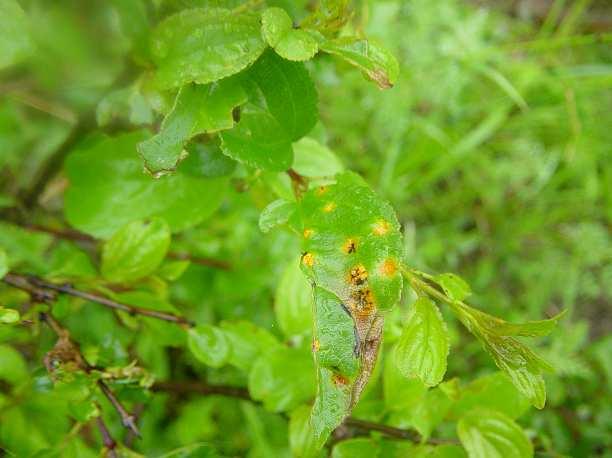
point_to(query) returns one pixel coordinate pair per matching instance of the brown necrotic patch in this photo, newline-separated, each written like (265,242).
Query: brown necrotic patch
(339,379)
(315,345)
(321,190)
(362,303)
(358,275)
(350,246)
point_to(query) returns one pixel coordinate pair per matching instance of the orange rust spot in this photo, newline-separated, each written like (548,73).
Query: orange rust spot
(388,268)
(316,345)
(321,190)
(380,227)
(350,246)
(308,259)
(358,275)
(362,303)
(308,233)
(339,379)
(330,206)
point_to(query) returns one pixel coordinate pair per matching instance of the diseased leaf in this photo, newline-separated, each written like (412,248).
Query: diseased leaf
(15,41)
(197,109)
(489,434)
(376,63)
(454,286)
(423,347)
(275,214)
(191,46)
(135,251)
(209,345)
(312,159)
(292,44)
(274,379)
(293,301)
(108,189)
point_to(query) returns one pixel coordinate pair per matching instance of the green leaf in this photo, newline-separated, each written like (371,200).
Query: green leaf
(376,63)
(276,214)
(489,434)
(360,447)
(108,189)
(13,368)
(282,108)
(312,159)
(24,248)
(259,141)
(197,109)
(519,363)
(135,250)
(530,328)
(423,347)
(293,301)
(247,342)
(191,46)
(15,41)
(400,393)
(494,392)
(453,286)
(206,160)
(209,345)
(9,316)
(292,44)
(4,268)
(301,440)
(282,379)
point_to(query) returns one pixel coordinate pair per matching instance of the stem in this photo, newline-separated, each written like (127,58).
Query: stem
(43,291)
(107,439)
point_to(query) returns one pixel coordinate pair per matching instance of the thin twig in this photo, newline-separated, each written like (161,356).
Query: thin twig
(107,440)
(63,334)
(42,290)
(193,387)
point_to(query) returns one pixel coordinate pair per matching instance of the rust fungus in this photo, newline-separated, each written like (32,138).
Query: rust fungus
(339,379)
(321,190)
(363,303)
(388,268)
(308,259)
(315,345)
(350,246)
(329,207)
(308,233)
(358,275)
(381,227)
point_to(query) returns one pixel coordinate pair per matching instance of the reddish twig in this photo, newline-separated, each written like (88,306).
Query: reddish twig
(107,440)
(43,291)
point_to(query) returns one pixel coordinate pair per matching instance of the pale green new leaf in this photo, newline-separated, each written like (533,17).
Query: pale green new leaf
(275,214)
(135,250)
(108,189)
(490,434)
(376,63)
(209,345)
(292,44)
(198,109)
(453,285)
(9,316)
(15,41)
(423,347)
(312,159)
(203,45)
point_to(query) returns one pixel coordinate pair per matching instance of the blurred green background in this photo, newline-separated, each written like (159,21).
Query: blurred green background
(494,147)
